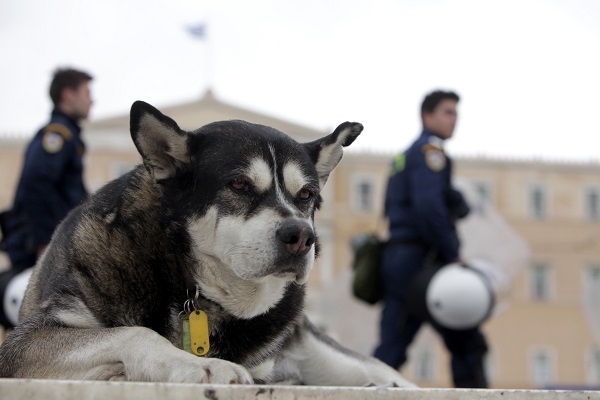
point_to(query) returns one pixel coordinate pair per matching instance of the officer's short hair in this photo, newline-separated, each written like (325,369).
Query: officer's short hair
(431,101)
(66,78)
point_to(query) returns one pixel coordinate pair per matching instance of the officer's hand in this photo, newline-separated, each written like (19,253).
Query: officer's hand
(461,262)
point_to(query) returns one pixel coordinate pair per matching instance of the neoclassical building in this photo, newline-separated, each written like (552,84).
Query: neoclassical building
(545,331)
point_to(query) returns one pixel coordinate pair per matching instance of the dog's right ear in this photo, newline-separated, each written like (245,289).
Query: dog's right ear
(327,152)
(160,142)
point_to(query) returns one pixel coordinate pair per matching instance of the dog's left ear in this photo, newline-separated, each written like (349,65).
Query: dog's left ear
(160,142)
(327,152)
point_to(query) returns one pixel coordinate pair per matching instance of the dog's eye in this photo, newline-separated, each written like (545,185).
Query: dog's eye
(305,194)
(240,184)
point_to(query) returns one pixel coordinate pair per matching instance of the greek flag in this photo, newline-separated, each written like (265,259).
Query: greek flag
(198,31)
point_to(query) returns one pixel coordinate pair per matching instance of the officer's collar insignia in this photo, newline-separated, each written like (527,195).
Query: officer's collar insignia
(436,141)
(52,142)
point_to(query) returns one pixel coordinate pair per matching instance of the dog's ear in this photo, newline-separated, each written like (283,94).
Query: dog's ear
(160,142)
(327,152)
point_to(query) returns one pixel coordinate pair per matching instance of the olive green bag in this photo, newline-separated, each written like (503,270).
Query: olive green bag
(366,282)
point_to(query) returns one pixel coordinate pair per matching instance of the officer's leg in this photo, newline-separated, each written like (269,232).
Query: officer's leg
(397,327)
(397,331)
(468,349)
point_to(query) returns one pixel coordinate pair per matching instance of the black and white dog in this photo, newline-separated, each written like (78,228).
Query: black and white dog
(206,247)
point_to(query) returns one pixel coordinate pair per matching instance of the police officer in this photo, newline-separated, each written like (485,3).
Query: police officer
(51,181)
(421,207)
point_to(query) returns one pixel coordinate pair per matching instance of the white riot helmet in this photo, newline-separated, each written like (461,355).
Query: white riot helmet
(459,297)
(14,293)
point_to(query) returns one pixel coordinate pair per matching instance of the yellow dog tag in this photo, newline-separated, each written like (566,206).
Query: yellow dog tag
(199,333)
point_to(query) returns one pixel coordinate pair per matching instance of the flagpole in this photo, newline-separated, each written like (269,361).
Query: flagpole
(208,58)
(200,32)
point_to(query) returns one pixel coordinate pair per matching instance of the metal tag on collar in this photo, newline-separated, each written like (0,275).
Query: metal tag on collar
(194,327)
(198,322)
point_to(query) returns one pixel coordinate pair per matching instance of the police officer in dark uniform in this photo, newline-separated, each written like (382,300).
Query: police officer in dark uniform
(51,181)
(422,207)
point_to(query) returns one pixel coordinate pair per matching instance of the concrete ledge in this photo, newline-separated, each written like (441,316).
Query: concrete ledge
(23,389)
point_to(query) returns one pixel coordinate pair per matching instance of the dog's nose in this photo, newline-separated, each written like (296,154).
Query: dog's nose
(297,236)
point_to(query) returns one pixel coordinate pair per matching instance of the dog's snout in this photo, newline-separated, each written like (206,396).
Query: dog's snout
(297,237)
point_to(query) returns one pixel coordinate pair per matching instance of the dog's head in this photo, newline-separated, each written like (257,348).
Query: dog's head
(246,192)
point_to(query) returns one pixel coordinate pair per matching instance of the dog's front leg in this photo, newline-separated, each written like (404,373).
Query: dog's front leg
(124,353)
(313,358)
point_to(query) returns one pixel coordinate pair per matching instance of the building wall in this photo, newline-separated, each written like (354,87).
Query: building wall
(11,162)
(565,240)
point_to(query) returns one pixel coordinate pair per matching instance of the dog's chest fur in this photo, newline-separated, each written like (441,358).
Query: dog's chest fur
(252,341)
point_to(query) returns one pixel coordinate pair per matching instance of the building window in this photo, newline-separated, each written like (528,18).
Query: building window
(484,192)
(593,366)
(542,367)
(592,281)
(538,207)
(540,282)
(592,204)
(484,196)
(121,168)
(593,272)
(364,194)
(424,365)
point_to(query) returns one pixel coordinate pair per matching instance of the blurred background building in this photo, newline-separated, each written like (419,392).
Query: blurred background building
(545,331)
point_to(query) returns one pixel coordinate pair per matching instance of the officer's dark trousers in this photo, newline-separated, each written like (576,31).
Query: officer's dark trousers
(399,326)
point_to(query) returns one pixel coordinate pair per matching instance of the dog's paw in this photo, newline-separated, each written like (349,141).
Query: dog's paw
(381,375)
(404,384)
(209,370)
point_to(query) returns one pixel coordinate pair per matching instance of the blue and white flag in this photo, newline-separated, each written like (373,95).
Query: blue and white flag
(198,31)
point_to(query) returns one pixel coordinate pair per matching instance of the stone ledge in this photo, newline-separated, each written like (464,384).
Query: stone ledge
(24,389)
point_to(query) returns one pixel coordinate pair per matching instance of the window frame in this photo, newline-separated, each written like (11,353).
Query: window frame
(592,365)
(533,293)
(544,212)
(551,355)
(120,168)
(425,360)
(587,208)
(357,196)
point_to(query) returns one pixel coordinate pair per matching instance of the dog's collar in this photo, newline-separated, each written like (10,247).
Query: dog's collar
(194,293)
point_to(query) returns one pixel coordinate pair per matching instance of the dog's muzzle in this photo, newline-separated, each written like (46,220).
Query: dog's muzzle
(296,236)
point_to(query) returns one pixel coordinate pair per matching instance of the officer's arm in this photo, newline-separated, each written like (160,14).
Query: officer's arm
(428,198)
(43,205)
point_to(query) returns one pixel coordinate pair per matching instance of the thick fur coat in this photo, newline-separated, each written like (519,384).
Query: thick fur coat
(223,216)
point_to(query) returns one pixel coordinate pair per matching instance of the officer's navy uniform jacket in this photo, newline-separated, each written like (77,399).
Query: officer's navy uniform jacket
(422,207)
(417,197)
(51,184)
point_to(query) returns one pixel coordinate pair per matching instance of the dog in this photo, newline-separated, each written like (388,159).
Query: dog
(205,246)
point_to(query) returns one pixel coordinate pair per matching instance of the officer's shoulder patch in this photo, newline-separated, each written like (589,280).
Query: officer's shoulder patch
(430,147)
(434,157)
(52,142)
(59,129)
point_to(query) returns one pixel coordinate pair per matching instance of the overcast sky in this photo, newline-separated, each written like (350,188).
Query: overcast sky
(527,70)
